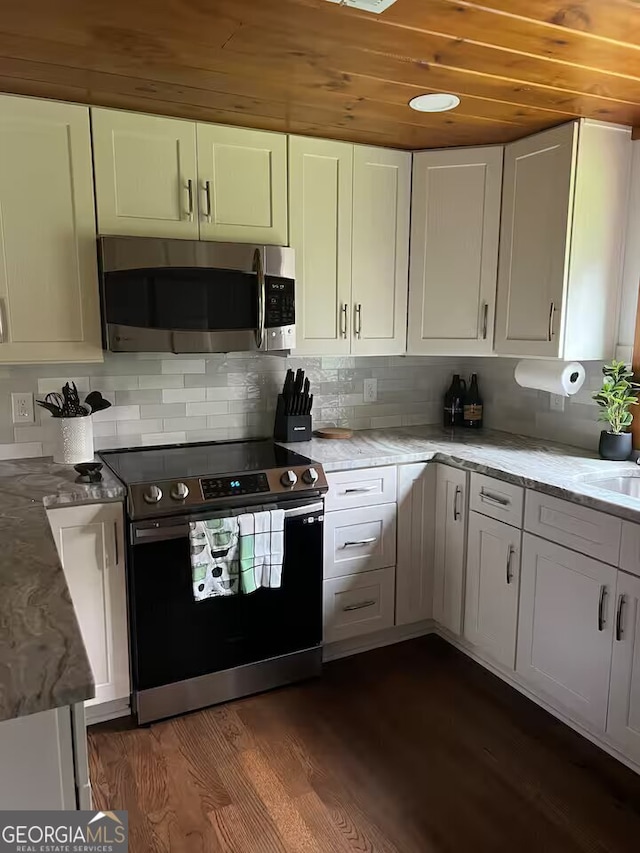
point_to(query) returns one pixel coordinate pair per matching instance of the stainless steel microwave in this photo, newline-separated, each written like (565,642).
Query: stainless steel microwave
(187,296)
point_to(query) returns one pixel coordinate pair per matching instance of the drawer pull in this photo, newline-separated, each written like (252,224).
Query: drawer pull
(601,601)
(359,542)
(619,628)
(359,606)
(487,497)
(360,489)
(509,558)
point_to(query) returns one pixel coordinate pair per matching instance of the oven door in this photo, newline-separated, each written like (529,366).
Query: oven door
(175,638)
(191,296)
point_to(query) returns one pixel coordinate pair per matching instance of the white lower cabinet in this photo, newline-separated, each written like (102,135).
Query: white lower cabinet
(623,724)
(416,523)
(492,587)
(566,628)
(359,540)
(450,541)
(90,542)
(358,604)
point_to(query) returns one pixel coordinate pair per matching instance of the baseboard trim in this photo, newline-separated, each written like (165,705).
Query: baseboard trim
(106,711)
(367,642)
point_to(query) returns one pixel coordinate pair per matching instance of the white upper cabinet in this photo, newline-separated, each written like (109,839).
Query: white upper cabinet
(454,250)
(566,628)
(320,204)
(623,722)
(49,307)
(563,220)
(381,202)
(242,185)
(493,583)
(163,177)
(450,547)
(145,172)
(349,209)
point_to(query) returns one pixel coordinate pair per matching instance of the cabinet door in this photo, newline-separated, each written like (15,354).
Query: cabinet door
(320,206)
(381,200)
(623,723)
(145,173)
(565,629)
(450,542)
(492,587)
(242,184)
(537,203)
(91,546)
(48,272)
(454,251)
(414,567)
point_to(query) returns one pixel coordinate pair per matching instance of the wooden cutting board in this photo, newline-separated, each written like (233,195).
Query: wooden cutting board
(333,433)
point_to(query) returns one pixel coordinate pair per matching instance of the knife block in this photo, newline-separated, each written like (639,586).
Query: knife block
(290,427)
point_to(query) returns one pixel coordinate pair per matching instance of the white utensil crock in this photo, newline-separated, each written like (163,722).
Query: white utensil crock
(75,441)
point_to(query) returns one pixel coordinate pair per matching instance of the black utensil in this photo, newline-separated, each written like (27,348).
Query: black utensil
(299,381)
(309,404)
(96,401)
(89,472)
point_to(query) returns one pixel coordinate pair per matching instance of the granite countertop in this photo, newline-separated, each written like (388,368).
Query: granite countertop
(43,661)
(557,469)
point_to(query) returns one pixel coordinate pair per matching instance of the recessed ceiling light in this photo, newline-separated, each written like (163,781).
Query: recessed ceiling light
(437,103)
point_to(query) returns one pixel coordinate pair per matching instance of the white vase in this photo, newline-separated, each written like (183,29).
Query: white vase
(75,441)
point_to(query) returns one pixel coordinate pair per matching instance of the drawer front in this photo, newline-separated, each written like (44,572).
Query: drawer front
(588,531)
(358,604)
(367,487)
(497,499)
(630,548)
(359,540)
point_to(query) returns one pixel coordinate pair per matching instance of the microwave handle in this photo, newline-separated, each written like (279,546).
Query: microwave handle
(259,270)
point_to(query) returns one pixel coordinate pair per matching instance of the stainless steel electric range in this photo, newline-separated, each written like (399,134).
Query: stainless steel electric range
(188,654)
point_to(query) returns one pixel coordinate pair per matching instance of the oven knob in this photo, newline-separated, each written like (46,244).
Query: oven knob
(310,476)
(289,479)
(179,491)
(152,495)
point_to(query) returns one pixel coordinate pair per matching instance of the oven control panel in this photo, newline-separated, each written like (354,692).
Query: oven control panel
(241,484)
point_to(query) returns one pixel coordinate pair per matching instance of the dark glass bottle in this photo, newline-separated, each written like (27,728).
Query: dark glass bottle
(452,413)
(473,407)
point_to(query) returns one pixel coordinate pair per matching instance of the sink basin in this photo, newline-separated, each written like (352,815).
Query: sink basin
(626,484)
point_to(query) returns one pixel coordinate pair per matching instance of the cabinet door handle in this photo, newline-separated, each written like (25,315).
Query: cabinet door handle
(552,309)
(359,606)
(619,628)
(509,558)
(485,321)
(601,602)
(207,197)
(357,543)
(359,489)
(189,189)
(3,339)
(115,542)
(456,513)
(343,320)
(358,320)
(487,497)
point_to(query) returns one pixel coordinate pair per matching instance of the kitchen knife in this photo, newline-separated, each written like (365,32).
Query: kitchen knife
(287,392)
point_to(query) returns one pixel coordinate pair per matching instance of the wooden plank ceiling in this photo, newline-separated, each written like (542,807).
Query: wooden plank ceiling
(316,68)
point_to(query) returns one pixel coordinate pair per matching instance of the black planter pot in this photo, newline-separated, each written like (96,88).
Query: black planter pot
(615,448)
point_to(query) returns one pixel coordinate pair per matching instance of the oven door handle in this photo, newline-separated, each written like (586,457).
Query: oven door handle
(170,529)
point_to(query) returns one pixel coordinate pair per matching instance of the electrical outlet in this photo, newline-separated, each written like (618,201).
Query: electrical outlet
(22,408)
(556,403)
(370,390)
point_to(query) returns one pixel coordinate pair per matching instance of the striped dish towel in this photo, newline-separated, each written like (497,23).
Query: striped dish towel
(261,549)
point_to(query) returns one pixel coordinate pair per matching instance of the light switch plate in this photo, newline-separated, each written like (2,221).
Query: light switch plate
(370,390)
(556,402)
(22,408)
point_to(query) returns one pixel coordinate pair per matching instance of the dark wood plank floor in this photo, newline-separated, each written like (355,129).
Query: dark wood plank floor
(408,749)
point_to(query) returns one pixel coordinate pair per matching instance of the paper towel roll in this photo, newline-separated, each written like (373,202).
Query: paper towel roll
(556,377)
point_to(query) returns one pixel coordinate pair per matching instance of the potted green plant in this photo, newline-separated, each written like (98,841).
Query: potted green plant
(615,398)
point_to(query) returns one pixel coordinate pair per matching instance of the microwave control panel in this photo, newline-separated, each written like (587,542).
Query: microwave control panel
(280,308)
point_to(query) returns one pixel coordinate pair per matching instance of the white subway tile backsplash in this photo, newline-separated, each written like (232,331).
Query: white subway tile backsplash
(139,427)
(182,366)
(207,408)
(164,410)
(118,413)
(164,438)
(183,395)
(114,383)
(126,398)
(23,450)
(218,421)
(188,424)
(45,386)
(173,381)
(104,428)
